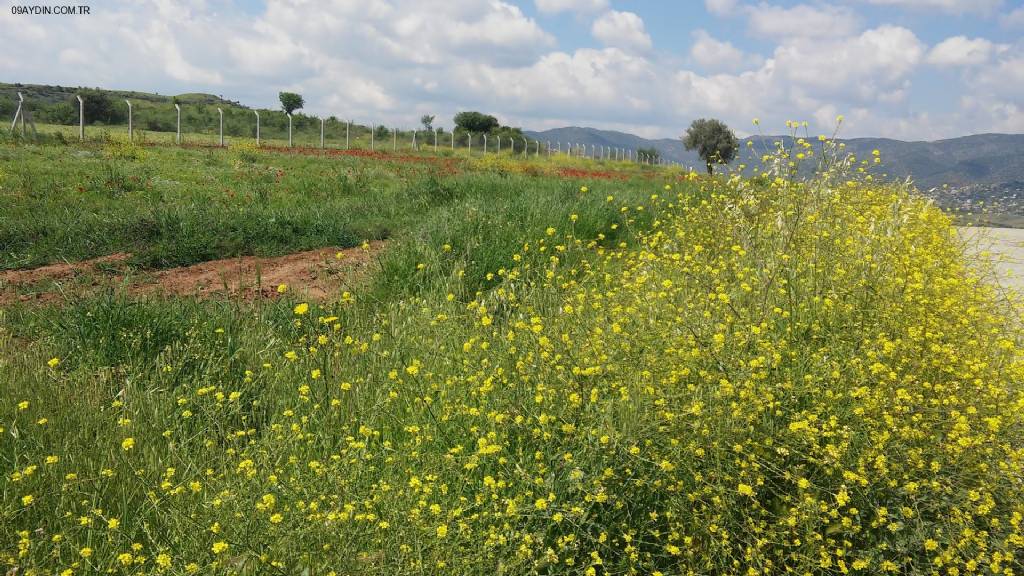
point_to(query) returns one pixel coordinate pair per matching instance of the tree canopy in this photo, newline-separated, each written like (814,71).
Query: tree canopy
(100,108)
(713,141)
(476,122)
(290,101)
(648,154)
(428,122)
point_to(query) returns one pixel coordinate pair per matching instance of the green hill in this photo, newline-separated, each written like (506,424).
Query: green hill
(45,95)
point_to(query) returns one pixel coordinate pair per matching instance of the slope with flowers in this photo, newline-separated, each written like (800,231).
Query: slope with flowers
(755,376)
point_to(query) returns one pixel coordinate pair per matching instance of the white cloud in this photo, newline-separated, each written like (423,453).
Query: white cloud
(1014,19)
(874,64)
(392,61)
(579,6)
(983,114)
(621,29)
(802,20)
(951,6)
(962,51)
(714,55)
(1003,78)
(722,7)
(865,77)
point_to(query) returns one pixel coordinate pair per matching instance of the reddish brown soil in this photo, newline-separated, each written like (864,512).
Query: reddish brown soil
(62,271)
(316,274)
(593,174)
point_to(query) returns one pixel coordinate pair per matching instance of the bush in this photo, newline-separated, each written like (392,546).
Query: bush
(746,377)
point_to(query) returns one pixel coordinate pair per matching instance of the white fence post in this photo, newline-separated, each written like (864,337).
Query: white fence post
(499,143)
(81,118)
(394,140)
(435,140)
(513,141)
(414,139)
(453,139)
(177,133)
(14,123)
(256,112)
(485,144)
(371,136)
(347,124)
(321,133)
(289,130)
(220,113)
(129,103)
(469,139)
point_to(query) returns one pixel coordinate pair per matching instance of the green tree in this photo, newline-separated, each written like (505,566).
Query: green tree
(713,141)
(648,154)
(61,113)
(290,101)
(99,108)
(428,122)
(476,121)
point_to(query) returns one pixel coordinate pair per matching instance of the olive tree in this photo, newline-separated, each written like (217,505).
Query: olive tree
(713,141)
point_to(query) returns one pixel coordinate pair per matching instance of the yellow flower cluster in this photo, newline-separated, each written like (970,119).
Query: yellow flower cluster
(771,376)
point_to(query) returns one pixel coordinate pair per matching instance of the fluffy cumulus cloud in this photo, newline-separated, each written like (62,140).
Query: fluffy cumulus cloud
(801,20)
(997,103)
(721,7)
(146,42)
(1013,19)
(580,6)
(962,51)
(868,66)
(951,6)
(390,61)
(712,54)
(621,29)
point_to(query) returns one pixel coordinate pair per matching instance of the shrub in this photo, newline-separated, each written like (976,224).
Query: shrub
(746,377)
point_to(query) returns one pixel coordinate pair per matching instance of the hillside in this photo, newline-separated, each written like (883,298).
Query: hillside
(45,95)
(962,174)
(990,159)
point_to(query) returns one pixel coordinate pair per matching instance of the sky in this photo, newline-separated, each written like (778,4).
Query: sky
(906,69)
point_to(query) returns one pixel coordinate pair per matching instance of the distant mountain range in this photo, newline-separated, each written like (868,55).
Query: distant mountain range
(983,159)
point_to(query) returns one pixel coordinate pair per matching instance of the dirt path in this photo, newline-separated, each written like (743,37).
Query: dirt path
(319,274)
(1006,246)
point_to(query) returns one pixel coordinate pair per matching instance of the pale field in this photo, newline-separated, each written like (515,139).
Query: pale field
(1006,249)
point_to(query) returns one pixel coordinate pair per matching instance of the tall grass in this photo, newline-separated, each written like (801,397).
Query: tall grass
(173,207)
(725,376)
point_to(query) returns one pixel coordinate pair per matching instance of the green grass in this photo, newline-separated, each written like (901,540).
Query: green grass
(176,206)
(714,377)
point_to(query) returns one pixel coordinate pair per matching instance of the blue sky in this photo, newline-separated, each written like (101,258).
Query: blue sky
(910,69)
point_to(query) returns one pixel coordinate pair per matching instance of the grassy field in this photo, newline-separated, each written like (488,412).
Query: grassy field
(308,136)
(552,368)
(173,206)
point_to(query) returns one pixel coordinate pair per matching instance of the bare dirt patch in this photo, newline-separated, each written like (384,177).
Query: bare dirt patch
(321,274)
(60,271)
